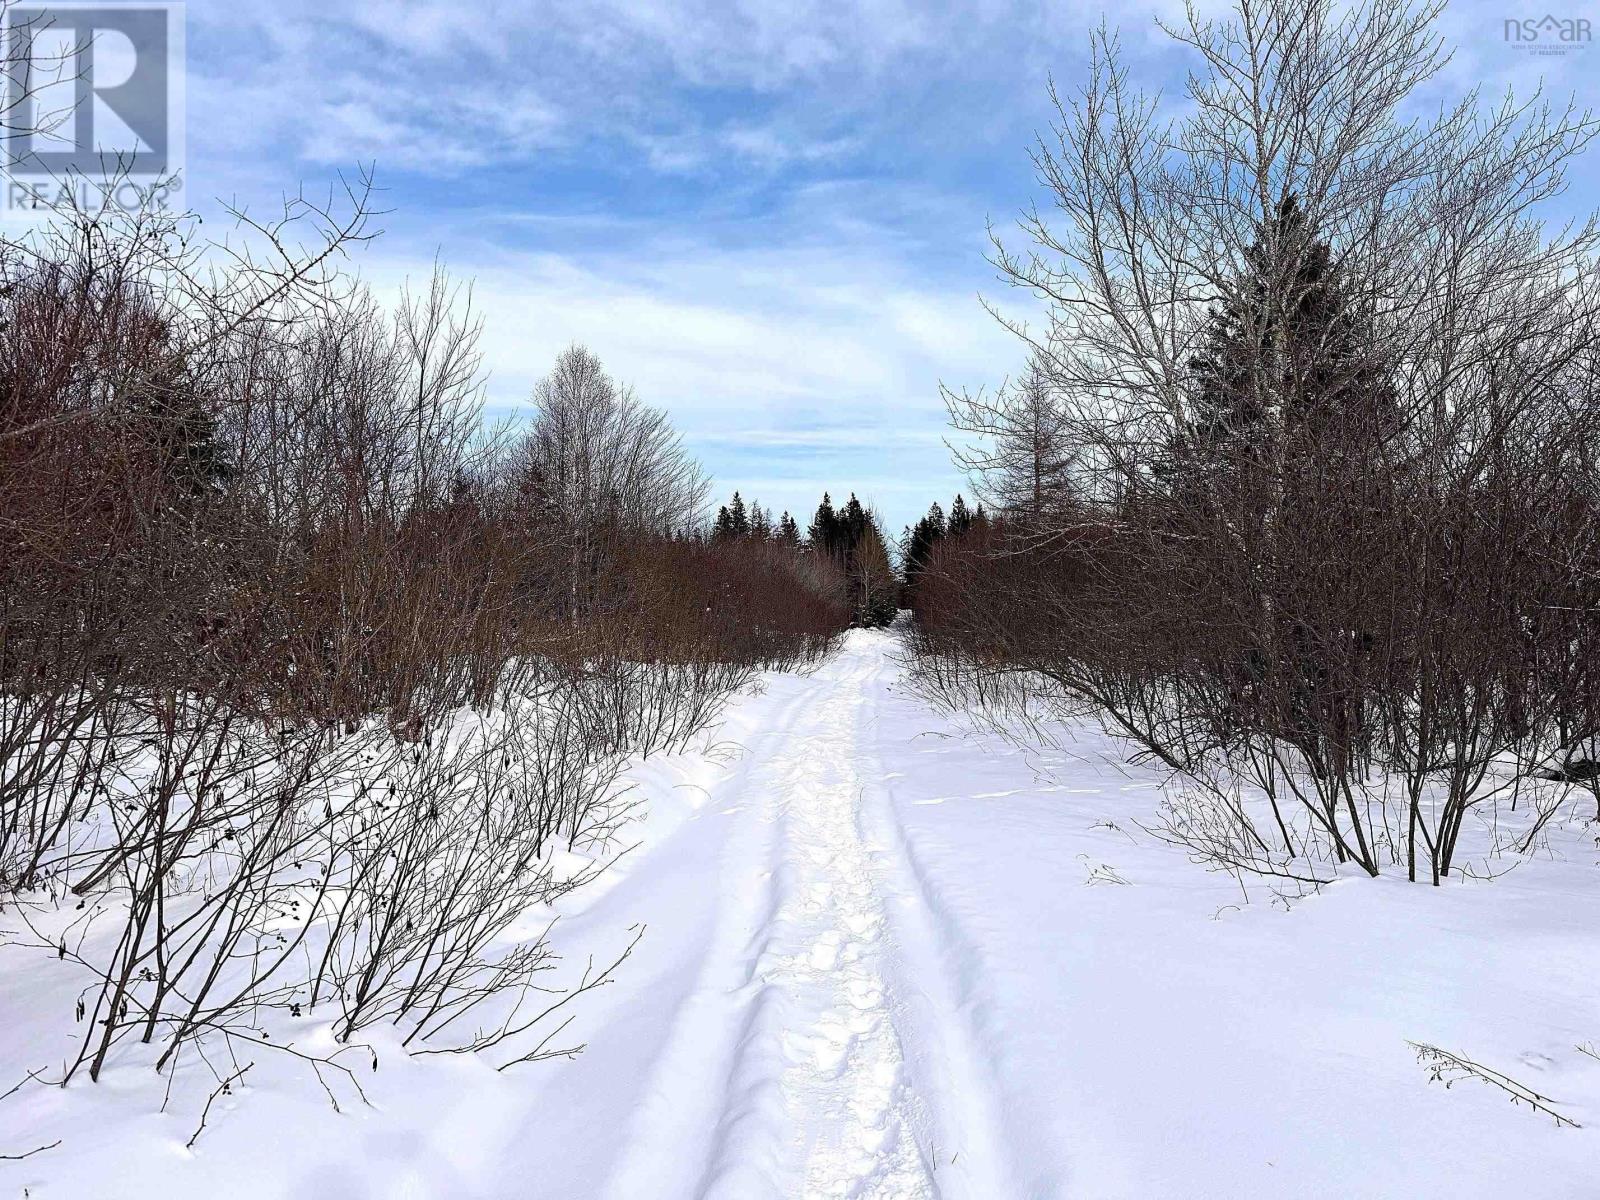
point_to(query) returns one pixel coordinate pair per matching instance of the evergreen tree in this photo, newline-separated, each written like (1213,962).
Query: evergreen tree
(1287,389)
(851,537)
(853,522)
(921,540)
(738,518)
(1286,360)
(722,527)
(960,518)
(914,549)
(760,523)
(177,436)
(788,531)
(823,536)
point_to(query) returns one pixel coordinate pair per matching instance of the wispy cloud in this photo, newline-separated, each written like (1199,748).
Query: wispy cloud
(769,217)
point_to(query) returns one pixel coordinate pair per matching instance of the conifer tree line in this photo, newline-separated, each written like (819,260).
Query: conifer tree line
(845,545)
(1299,489)
(851,538)
(917,542)
(306,672)
(733,521)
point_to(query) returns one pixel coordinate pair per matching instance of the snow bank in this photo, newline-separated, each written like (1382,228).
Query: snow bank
(888,954)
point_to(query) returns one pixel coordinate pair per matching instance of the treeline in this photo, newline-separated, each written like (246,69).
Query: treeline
(1302,492)
(843,549)
(918,542)
(305,672)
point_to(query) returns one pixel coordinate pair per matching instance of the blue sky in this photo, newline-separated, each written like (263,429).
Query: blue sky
(770,218)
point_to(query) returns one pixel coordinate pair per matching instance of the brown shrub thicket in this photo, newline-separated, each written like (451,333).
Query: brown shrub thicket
(303,672)
(1300,489)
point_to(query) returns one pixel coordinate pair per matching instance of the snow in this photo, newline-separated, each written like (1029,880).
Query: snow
(888,954)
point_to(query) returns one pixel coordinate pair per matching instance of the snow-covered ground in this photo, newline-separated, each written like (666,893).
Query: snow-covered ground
(889,955)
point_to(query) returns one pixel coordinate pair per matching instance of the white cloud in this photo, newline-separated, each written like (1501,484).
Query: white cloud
(767,216)
(716,334)
(790,367)
(331,80)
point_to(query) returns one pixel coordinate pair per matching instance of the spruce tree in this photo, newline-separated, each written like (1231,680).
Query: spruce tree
(960,518)
(178,437)
(788,531)
(850,535)
(1287,389)
(823,536)
(853,522)
(738,518)
(1287,358)
(921,540)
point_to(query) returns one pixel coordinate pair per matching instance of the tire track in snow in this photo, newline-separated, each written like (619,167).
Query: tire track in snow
(840,1121)
(963,1124)
(663,1145)
(812,1093)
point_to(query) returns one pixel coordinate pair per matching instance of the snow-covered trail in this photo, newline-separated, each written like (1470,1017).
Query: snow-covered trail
(786,1072)
(895,957)
(891,956)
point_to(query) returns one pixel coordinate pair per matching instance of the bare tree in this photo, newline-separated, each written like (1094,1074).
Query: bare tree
(1314,366)
(1022,456)
(303,671)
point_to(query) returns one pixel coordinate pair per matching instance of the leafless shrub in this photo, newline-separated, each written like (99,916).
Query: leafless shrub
(1447,1068)
(310,684)
(1299,486)
(433,859)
